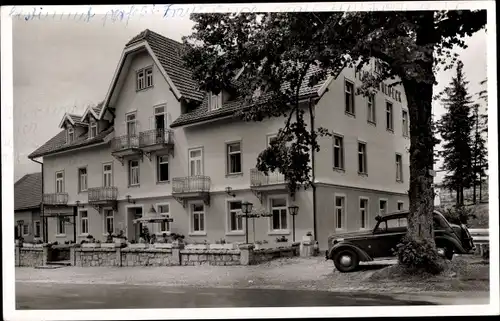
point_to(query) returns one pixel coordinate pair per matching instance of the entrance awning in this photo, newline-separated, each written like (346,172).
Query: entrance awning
(153,219)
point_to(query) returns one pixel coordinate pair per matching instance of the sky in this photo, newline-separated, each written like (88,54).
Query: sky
(64,66)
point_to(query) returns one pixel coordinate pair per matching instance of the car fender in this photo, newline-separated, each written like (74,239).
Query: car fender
(363,256)
(457,247)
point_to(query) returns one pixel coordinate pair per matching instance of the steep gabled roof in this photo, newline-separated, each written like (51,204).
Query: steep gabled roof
(94,110)
(73,119)
(169,53)
(58,143)
(28,192)
(202,112)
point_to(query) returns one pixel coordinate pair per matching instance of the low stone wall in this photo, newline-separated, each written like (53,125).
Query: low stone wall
(29,256)
(59,252)
(265,255)
(147,257)
(210,257)
(95,257)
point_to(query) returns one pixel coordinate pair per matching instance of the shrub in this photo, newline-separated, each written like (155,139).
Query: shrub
(419,256)
(459,214)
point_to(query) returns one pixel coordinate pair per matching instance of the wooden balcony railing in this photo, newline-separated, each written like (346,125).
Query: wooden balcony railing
(258,178)
(124,142)
(156,137)
(102,194)
(55,198)
(190,184)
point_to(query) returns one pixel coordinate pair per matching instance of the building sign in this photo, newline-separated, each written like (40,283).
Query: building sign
(383,87)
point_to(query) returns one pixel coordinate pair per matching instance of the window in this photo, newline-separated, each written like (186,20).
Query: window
(84,222)
(149,77)
(235,221)
(144,78)
(382,205)
(109,219)
(388,112)
(397,222)
(82,179)
(93,129)
(279,212)
(400,205)
(405,123)
(107,175)
(363,212)
(349,97)
(399,168)
(26,229)
(71,135)
(198,218)
(195,162)
(60,182)
(339,212)
(362,158)
(160,123)
(233,158)
(164,210)
(131,124)
(133,172)
(61,225)
(37,229)
(371,109)
(162,172)
(338,152)
(215,101)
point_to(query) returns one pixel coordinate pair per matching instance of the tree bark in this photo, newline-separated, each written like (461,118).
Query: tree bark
(419,98)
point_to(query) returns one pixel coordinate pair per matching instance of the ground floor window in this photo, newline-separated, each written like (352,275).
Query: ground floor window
(400,206)
(109,220)
(197,218)
(37,229)
(61,225)
(382,207)
(164,210)
(339,212)
(26,229)
(235,220)
(363,211)
(279,212)
(84,222)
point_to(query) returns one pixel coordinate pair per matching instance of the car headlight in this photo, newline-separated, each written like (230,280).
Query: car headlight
(335,241)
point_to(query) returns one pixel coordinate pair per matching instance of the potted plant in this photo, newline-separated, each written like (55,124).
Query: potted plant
(308,237)
(119,238)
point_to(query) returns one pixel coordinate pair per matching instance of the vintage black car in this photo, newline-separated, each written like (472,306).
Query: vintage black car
(348,249)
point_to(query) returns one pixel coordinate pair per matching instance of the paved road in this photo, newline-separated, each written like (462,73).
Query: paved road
(117,296)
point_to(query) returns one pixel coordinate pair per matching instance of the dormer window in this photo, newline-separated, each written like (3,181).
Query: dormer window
(71,135)
(93,130)
(144,78)
(215,101)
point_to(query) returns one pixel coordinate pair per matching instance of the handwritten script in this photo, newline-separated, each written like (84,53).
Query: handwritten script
(123,14)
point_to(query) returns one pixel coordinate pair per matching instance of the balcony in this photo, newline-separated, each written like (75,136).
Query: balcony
(55,199)
(100,197)
(156,139)
(125,145)
(260,182)
(191,188)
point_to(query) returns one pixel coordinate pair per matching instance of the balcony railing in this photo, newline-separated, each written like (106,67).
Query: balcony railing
(55,198)
(124,142)
(158,136)
(190,184)
(258,178)
(102,194)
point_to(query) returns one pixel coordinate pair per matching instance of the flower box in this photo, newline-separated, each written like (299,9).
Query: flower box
(91,245)
(162,245)
(138,246)
(228,246)
(27,245)
(197,246)
(108,245)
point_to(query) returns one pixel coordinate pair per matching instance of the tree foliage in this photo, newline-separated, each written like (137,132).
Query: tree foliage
(277,49)
(456,128)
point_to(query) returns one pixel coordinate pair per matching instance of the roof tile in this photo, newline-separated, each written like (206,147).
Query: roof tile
(28,191)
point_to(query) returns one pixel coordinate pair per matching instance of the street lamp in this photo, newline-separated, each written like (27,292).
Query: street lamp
(293,210)
(246,208)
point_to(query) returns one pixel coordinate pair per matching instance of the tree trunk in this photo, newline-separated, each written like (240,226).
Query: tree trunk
(419,97)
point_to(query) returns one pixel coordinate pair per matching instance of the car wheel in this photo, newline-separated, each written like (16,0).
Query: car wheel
(346,260)
(445,251)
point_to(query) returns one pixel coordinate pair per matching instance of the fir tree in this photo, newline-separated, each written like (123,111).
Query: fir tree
(479,149)
(455,127)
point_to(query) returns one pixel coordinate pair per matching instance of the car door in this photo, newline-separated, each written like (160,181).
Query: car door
(387,235)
